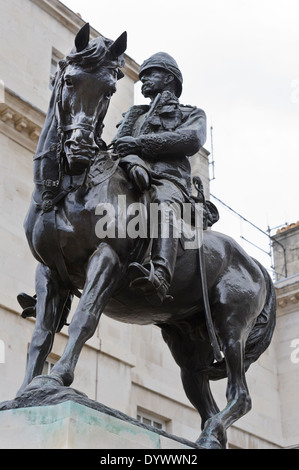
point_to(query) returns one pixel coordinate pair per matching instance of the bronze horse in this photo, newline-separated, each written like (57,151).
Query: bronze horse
(73,174)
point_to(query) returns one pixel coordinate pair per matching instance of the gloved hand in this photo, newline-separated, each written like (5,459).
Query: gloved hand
(126,146)
(140,178)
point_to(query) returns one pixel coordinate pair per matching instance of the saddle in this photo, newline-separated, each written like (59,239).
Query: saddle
(210,211)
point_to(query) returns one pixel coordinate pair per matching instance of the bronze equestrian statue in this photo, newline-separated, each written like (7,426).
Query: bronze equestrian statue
(74,175)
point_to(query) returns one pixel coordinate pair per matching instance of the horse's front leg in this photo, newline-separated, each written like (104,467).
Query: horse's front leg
(103,272)
(50,304)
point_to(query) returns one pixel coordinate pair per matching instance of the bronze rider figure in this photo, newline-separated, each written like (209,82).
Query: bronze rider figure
(155,142)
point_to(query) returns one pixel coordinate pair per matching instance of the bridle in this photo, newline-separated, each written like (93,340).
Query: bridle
(62,128)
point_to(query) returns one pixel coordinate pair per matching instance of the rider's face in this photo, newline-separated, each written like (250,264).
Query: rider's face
(154,81)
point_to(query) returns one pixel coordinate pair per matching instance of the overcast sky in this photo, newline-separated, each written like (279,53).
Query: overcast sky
(240,63)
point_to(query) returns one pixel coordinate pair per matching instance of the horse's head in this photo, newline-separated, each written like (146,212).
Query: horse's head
(87,82)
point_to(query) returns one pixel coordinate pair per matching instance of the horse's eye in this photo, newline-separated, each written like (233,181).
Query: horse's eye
(68,81)
(113,71)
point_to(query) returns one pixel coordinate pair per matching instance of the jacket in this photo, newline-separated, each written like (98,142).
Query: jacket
(167,135)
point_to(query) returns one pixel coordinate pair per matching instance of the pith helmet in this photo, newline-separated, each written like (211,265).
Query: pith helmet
(164,61)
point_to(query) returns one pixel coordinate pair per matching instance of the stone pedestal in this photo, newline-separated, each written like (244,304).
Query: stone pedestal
(70,425)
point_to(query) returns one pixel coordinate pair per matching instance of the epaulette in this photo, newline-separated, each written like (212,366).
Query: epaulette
(187,108)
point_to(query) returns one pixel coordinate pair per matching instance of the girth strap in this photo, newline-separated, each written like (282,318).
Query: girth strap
(49,204)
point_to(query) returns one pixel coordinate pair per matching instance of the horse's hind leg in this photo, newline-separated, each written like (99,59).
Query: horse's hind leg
(51,299)
(237,394)
(193,355)
(197,389)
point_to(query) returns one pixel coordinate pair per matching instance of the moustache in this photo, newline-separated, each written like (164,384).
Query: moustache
(147,85)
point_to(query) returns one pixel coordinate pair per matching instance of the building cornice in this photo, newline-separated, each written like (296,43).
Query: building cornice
(20,121)
(62,14)
(282,231)
(74,22)
(287,294)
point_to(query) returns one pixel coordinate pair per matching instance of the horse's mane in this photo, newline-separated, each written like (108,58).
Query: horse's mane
(49,132)
(94,53)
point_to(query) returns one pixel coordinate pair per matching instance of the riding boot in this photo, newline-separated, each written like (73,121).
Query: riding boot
(164,253)
(154,278)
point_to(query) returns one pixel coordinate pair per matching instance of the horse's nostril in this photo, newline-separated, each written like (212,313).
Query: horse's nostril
(81,139)
(82,136)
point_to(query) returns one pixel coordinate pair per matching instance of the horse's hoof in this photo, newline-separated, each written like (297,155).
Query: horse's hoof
(213,435)
(209,443)
(49,381)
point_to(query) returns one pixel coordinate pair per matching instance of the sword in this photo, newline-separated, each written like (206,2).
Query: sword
(199,232)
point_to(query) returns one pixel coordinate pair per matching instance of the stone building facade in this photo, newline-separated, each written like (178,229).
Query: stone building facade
(126,367)
(286,261)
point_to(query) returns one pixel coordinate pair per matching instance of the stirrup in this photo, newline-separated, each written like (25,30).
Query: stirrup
(138,271)
(28,304)
(153,286)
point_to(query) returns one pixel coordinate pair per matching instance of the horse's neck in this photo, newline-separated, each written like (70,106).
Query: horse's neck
(46,159)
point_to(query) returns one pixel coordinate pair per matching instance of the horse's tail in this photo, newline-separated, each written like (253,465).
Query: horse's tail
(261,334)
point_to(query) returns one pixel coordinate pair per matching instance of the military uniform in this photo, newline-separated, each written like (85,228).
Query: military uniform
(167,134)
(167,137)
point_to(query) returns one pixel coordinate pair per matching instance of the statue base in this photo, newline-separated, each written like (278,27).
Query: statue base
(70,425)
(63,418)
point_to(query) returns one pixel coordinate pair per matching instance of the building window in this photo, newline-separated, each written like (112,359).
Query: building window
(151,420)
(49,363)
(56,57)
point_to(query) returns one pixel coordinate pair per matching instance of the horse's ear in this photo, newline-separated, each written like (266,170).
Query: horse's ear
(82,38)
(119,46)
